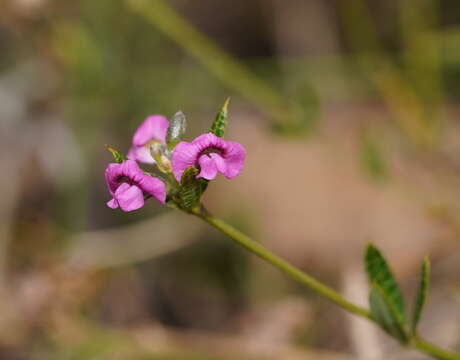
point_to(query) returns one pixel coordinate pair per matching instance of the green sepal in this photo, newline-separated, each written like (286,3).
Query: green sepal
(384,313)
(422,294)
(191,189)
(220,122)
(379,273)
(118,157)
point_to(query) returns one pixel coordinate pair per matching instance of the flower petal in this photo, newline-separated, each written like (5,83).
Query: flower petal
(153,127)
(234,156)
(141,154)
(131,170)
(153,186)
(229,162)
(112,173)
(208,167)
(126,194)
(112,204)
(219,161)
(115,171)
(185,155)
(208,140)
(129,197)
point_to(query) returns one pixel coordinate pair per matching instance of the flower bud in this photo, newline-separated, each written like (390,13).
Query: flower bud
(160,154)
(176,129)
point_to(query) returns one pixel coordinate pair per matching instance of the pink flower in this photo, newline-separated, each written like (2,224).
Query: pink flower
(211,154)
(128,186)
(153,129)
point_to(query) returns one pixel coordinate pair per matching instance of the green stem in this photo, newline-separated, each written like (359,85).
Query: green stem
(433,350)
(305,279)
(281,264)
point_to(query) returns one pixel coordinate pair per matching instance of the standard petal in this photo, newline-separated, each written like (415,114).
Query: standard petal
(185,155)
(132,171)
(154,186)
(234,156)
(208,140)
(208,167)
(129,197)
(153,127)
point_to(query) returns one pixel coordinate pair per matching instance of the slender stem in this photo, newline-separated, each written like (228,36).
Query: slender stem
(281,264)
(433,350)
(256,248)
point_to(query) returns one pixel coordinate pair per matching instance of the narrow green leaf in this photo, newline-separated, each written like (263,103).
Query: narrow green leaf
(378,272)
(384,313)
(220,122)
(118,157)
(191,189)
(422,293)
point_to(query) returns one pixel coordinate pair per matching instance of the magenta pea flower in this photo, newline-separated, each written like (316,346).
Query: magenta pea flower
(211,154)
(128,186)
(152,130)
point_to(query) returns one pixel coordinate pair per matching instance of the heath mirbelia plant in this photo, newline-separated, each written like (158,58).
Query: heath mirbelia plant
(184,170)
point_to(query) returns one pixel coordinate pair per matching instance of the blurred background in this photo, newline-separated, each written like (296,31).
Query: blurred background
(349,112)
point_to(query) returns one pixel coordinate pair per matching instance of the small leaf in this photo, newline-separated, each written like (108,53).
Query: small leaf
(384,313)
(191,189)
(379,273)
(119,158)
(176,129)
(220,122)
(422,293)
